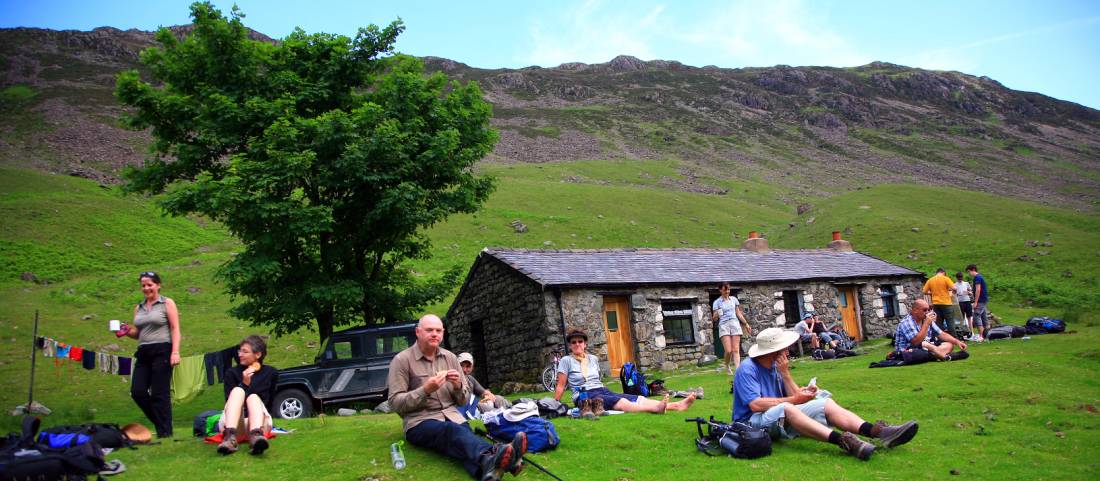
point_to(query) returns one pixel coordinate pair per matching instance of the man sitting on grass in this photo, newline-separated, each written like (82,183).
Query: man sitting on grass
(918,331)
(425,384)
(766,397)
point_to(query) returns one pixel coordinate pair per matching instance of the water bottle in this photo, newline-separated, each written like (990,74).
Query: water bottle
(397,456)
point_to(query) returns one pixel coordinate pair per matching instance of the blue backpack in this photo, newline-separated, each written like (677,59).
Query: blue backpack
(633,380)
(541,435)
(1045,325)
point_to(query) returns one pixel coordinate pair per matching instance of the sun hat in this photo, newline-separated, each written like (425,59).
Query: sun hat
(520,411)
(772,339)
(466,357)
(137,433)
(576,333)
(807,315)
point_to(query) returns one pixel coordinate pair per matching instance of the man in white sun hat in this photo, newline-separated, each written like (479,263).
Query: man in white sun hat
(766,397)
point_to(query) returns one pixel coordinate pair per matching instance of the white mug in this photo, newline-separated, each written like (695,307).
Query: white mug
(115,325)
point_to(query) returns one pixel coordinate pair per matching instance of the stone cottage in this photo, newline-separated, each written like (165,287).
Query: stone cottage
(652,306)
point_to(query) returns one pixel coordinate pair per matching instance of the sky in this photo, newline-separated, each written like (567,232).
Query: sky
(1051,47)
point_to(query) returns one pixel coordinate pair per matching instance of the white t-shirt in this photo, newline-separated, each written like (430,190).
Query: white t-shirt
(727,310)
(962,291)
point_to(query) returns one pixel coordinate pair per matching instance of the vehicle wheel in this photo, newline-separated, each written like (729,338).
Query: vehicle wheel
(549,378)
(292,404)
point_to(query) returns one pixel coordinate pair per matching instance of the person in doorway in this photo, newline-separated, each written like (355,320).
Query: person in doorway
(485,399)
(962,294)
(425,385)
(156,326)
(767,397)
(940,290)
(580,372)
(249,390)
(727,312)
(981,302)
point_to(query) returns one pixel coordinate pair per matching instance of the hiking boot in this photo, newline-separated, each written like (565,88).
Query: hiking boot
(892,435)
(257,441)
(229,441)
(597,407)
(519,448)
(495,461)
(859,448)
(586,409)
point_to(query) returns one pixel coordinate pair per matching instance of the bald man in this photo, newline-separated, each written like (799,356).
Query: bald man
(425,385)
(918,330)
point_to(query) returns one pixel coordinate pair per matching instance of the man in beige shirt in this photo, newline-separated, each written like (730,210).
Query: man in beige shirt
(425,384)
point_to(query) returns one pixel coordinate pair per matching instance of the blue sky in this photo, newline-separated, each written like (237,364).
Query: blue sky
(1051,47)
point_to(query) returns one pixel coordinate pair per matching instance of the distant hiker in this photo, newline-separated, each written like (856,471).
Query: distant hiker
(831,339)
(485,399)
(940,289)
(962,293)
(580,372)
(981,302)
(805,330)
(727,311)
(249,390)
(157,329)
(918,330)
(425,384)
(767,397)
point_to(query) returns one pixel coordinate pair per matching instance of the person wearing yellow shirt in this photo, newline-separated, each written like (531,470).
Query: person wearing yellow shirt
(941,290)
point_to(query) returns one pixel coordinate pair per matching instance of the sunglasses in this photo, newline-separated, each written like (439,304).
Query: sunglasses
(147,274)
(577,341)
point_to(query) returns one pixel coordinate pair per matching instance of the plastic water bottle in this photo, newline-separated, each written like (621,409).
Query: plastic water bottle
(397,456)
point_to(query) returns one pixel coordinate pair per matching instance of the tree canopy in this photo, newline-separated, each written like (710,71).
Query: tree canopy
(326,156)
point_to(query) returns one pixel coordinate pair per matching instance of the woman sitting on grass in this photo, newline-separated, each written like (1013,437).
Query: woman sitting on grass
(581,372)
(249,389)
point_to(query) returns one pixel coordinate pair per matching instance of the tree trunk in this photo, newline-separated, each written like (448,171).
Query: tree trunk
(324,324)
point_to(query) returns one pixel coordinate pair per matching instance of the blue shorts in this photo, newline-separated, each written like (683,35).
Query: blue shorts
(774,419)
(609,398)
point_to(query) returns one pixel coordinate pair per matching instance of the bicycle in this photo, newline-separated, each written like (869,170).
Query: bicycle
(550,373)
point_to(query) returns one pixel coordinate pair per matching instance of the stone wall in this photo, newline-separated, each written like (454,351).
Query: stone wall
(510,307)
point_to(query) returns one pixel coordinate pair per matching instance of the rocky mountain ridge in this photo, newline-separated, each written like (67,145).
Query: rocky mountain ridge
(812,130)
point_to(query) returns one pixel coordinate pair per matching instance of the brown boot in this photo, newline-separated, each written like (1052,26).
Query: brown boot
(859,448)
(229,441)
(258,442)
(891,435)
(597,407)
(586,409)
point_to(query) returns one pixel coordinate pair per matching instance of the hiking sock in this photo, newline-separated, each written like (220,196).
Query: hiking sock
(834,437)
(865,429)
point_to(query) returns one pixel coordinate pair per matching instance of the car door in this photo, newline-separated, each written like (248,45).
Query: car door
(345,374)
(384,346)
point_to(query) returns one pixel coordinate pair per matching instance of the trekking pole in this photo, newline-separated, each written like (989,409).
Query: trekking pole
(525,458)
(34,355)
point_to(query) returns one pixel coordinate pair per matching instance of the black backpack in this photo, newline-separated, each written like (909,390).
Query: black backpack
(199,427)
(551,408)
(21,458)
(105,435)
(735,439)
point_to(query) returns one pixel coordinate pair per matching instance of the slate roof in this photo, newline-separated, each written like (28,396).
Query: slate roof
(607,267)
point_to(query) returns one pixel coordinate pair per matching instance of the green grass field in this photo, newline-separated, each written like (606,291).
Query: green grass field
(1029,400)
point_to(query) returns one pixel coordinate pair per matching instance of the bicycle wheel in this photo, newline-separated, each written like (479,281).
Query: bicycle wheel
(549,378)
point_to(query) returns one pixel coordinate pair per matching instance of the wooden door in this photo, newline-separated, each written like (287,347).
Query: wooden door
(616,322)
(848,312)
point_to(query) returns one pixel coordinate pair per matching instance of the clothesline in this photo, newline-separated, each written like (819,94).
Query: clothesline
(187,377)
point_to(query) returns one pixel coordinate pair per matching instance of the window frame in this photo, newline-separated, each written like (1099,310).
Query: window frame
(679,318)
(890,306)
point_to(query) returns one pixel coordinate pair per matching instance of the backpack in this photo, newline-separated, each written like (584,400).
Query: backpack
(735,439)
(105,435)
(1006,332)
(541,434)
(1045,325)
(551,408)
(206,423)
(21,458)
(633,380)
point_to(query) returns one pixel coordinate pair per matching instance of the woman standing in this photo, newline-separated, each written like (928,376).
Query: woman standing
(249,389)
(580,371)
(727,311)
(157,329)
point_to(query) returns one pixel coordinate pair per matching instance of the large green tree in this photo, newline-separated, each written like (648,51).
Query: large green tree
(326,156)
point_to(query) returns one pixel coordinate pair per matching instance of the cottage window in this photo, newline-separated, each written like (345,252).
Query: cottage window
(889,300)
(678,316)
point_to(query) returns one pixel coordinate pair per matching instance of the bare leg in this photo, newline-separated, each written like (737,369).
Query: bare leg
(736,341)
(842,418)
(681,405)
(727,345)
(815,342)
(804,424)
(255,412)
(644,405)
(939,352)
(232,411)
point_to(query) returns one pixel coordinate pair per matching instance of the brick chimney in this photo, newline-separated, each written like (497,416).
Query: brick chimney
(755,243)
(839,244)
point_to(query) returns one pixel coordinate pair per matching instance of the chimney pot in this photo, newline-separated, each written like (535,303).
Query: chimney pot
(754,235)
(836,235)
